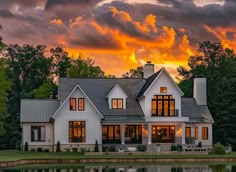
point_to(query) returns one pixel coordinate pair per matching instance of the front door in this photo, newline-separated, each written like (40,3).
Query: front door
(163,134)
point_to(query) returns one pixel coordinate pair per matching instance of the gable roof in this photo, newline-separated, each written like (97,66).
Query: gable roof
(37,110)
(113,89)
(97,89)
(150,81)
(77,86)
(196,113)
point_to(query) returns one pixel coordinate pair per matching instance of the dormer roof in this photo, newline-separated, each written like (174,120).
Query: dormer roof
(114,88)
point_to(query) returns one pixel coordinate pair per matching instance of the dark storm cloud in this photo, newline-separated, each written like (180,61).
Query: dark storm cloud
(24,3)
(5,13)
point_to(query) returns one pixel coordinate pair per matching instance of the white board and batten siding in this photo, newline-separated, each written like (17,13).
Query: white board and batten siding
(89,115)
(162,81)
(26,137)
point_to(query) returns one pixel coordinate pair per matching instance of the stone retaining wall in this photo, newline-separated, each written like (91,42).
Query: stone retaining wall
(110,160)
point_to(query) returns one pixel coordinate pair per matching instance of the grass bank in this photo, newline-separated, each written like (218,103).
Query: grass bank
(19,155)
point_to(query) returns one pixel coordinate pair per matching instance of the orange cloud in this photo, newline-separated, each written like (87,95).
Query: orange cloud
(56,21)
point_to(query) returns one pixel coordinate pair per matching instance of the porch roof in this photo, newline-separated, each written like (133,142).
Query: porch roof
(123,119)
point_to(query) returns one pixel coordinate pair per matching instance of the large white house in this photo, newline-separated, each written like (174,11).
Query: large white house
(150,111)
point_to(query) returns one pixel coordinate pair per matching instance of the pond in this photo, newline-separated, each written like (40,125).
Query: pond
(125,168)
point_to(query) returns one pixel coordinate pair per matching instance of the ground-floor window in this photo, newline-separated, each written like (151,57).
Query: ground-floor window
(204,133)
(38,133)
(77,131)
(111,134)
(163,134)
(133,134)
(196,133)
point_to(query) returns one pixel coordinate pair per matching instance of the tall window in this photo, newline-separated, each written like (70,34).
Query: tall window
(163,106)
(110,134)
(204,133)
(196,133)
(117,103)
(163,134)
(133,134)
(73,104)
(77,131)
(188,132)
(163,89)
(80,104)
(38,133)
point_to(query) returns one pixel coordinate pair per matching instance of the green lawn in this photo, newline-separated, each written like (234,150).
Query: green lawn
(16,155)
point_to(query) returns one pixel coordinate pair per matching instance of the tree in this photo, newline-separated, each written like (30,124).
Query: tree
(134,73)
(218,65)
(85,69)
(47,90)
(61,62)
(5,86)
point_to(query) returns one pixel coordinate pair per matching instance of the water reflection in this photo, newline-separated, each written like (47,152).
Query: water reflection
(126,168)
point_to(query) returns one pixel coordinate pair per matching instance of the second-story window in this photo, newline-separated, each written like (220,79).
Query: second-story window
(73,104)
(80,104)
(163,89)
(163,105)
(117,103)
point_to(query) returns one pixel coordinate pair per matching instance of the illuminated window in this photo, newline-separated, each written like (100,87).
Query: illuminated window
(38,133)
(80,104)
(163,134)
(117,103)
(163,89)
(73,104)
(111,134)
(77,131)
(196,133)
(163,105)
(188,132)
(204,133)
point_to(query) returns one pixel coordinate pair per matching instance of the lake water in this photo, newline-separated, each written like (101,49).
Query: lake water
(126,168)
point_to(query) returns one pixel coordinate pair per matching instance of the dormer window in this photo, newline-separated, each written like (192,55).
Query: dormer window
(117,104)
(73,104)
(163,89)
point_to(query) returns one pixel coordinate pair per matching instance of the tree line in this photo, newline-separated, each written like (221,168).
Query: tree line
(31,72)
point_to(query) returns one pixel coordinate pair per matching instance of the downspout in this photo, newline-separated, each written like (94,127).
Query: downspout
(53,133)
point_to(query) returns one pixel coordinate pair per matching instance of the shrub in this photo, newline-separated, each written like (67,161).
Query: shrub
(46,150)
(26,148)
(74,149)
(105,148)
(142,148)
(40,149)
(58,148)
(179,148)
(218,149)
(199,144)
(32,149)
(18,147)
(112,148)
(67,149)
(173,147)
(82,150)
(96,147)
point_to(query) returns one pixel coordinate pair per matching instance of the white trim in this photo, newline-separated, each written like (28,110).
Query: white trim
(163,69)
(112,90)
(77,86)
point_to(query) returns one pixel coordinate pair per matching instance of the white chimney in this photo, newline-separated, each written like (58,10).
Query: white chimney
(148,69)
(200,90)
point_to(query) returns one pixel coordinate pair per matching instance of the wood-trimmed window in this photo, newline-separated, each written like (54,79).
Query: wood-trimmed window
(196,133)
(111,134)
(163,105)
(80,104)
(77,131)
(163,89)
(38,133)
(133,134)
(187,132)
(72,104)
(204,133)
(117,103)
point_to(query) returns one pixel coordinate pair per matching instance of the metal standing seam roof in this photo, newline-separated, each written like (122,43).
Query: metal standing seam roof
(37,110)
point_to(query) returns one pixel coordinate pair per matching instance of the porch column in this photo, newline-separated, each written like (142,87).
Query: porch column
(183,133)
(122,134)
(149,133)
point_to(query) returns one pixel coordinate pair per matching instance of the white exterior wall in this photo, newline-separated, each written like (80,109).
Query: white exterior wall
(117,93)
(26,137)
(162,81)
(200,125)
(89,115)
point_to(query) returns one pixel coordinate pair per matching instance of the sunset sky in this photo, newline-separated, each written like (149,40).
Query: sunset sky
(122,34)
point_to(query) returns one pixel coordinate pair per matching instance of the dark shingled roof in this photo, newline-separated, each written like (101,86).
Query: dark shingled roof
(196,113)
(148,83)
(97,90)
(37,110)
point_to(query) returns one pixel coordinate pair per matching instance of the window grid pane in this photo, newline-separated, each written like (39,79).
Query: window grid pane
(196,133)
(117,104)
(163,105)
(73,104)
(77,131)
(204,133)
(80,104)
(38,133)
